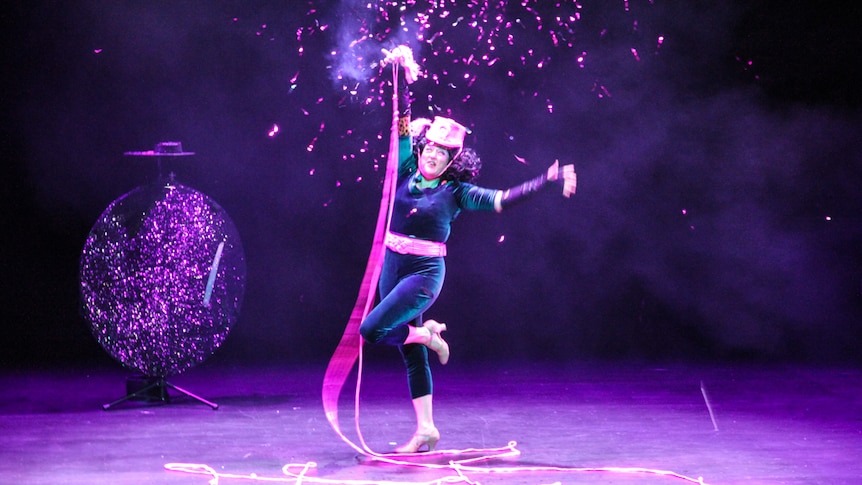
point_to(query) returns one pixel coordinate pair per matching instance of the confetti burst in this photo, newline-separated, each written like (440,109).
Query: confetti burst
(460,45)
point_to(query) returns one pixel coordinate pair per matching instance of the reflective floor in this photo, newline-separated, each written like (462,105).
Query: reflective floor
(578,423)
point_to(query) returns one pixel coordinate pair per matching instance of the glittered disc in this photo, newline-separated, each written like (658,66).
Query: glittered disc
(162,278)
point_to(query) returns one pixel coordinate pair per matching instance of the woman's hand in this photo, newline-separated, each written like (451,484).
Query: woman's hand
(568,175)
(403,56)
(418,126)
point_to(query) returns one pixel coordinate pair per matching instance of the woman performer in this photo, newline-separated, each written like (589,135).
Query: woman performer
(433,186)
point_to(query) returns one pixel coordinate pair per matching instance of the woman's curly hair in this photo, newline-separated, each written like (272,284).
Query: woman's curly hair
(465,166)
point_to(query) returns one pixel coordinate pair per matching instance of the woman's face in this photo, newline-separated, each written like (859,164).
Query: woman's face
(433,161)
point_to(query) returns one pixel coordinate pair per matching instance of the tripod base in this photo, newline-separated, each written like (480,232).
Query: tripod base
(156,390)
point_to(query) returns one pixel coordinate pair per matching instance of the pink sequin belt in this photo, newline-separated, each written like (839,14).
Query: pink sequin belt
(417,247)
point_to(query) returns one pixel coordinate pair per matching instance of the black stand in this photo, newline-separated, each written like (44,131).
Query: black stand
(157,390)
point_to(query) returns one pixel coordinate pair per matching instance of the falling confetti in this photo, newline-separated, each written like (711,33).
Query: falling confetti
(460,45)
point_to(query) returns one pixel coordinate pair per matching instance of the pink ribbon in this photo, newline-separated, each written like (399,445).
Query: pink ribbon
(349,348)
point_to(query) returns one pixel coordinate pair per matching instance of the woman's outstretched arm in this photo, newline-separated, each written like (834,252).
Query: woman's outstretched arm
(565,174)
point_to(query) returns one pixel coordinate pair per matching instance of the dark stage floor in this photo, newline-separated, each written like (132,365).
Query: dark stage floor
(775,425)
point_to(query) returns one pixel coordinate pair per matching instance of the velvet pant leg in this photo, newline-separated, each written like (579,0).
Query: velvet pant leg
(409,285)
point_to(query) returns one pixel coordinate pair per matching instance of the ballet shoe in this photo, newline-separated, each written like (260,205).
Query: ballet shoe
(420,440)
(435,340)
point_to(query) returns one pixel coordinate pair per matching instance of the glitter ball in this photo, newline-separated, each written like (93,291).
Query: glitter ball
(162,277)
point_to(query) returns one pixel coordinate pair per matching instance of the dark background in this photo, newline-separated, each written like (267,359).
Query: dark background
(717,215)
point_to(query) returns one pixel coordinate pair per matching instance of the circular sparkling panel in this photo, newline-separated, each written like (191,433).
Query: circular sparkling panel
(162,278)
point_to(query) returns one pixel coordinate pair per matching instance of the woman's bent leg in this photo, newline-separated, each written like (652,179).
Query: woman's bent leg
(386,323)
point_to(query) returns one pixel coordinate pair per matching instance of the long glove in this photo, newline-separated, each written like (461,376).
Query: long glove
(565,174)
